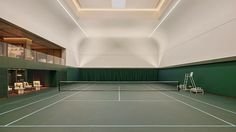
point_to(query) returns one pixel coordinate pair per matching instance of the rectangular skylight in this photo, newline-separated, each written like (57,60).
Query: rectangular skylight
(118,3)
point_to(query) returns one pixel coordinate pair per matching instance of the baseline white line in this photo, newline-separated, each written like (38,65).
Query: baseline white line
(42,108)
(29,104)
(119,100)
(118,126)
(233,125)
(197,100)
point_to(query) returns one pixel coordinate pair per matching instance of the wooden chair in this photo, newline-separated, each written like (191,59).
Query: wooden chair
(18,87)
(27,85)
(37,85)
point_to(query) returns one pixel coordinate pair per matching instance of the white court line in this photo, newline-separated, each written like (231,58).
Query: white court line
(119,93)
(79,100)
(199,110)
(17,108)
(197,100)
(25,99)
(118,126)
(28,104)
(42,108)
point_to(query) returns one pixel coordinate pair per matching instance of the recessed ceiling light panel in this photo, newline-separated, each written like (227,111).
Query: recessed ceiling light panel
(118,4)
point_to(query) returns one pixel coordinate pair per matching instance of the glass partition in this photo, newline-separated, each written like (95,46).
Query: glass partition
(50,59)
(62,61)
(41,57)
(57,60)
(15,51)
(30,55)
(27,54)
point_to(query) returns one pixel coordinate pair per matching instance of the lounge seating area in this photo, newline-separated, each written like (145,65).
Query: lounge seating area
(23,81)
(24,87)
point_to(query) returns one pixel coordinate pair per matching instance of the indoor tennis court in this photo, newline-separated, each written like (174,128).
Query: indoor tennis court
(117,65)
(103,107)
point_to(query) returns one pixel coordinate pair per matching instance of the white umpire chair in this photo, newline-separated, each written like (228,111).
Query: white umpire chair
(192,87)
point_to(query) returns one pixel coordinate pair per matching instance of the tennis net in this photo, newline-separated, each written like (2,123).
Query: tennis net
(118,85)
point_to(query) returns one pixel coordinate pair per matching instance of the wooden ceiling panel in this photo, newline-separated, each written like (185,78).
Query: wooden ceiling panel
(9,30)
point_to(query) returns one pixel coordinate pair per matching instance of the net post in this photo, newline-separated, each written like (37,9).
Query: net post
(178,86)
(59,86)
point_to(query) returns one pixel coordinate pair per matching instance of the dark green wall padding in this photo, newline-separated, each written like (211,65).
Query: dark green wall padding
(72,74)
(3,82)
(218,78)
(47,78)
(117,74)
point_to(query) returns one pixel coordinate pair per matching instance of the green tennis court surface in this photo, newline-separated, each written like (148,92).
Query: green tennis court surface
(94,110)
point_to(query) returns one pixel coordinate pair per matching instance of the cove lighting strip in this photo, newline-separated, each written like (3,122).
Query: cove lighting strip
(72,18)
(160,4)
(77,5)
(164,18)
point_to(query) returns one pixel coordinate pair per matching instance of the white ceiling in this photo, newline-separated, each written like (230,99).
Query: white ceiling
(118,24)
(110,23)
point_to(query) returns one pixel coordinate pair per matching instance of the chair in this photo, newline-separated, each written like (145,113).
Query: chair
(9,89)
(27,85)
(19,87)
(37,85)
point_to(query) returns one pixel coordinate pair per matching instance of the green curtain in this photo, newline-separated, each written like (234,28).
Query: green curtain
(72,74)
(115,74)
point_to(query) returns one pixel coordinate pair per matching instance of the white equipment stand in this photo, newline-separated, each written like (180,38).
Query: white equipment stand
(193,88)
(184,86)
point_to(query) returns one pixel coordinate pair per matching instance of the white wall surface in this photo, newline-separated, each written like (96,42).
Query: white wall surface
(200,30)
(72,50)
(196,30)
(161,40)
(45,18)
(118,52)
